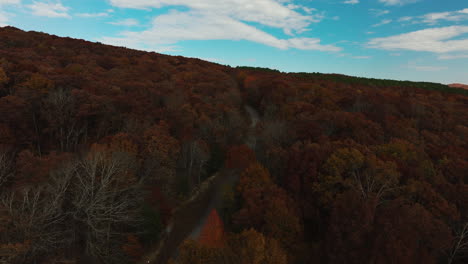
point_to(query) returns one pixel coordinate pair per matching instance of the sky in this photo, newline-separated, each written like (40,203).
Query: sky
(418,40)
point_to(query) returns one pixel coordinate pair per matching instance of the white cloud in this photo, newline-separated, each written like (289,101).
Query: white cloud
(361,57)
(175,26)
(348,55)
(307,44)
(378,12)
(102,14)
(383,22)
(308,10)
(437,40)
(398,2)
(222,20)
(129,22)
(9,2)
(273,13)
(351,2)
(454,16)
(3,19)
(405,18)
(426,68)
(49,9)
(4,16)
(452,56)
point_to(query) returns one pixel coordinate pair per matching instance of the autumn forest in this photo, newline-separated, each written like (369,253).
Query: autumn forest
(113,155)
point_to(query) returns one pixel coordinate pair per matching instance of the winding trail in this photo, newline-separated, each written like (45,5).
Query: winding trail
(190,216)
(217,197)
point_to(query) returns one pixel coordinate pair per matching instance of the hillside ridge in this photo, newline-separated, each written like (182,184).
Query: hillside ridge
(453,88)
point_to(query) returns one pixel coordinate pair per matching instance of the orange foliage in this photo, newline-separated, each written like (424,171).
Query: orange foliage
(212,233)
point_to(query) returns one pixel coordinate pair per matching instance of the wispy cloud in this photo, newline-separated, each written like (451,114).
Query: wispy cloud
(4,16)
(405,19)
(9,2)
(223,20)
(271,13)
(398,2)
(426,68)
(437,40)
(378,12)
(129,22)
(452,56)
(351,2)
(357,57)
(49,9)
(176,26)
(361,57)
(102,14)
(3,19)
(454,16)
(383,22)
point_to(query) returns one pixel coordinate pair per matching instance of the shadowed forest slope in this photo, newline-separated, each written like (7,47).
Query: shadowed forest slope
(99,145)
(459,85)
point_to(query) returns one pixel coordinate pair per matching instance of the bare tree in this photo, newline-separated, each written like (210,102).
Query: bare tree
(88,204)
(104,201)
(60,110)
(36,215)
(460,247)
(5,167)
(194,156)
(376,180)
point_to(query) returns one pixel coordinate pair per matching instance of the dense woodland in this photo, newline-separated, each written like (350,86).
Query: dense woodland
(459,85)
(99,145)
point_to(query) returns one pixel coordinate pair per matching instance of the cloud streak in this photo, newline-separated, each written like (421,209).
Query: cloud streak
(437,40)
(175,26)
(9,2)
(53,10)
(3,19)
(453,16)
(452,56)
(129,22)
(273,13)
(398,2)
(351,2)
(383,22)
(88,15)
(4,16)
(378,12)
(223,20)
(426,68)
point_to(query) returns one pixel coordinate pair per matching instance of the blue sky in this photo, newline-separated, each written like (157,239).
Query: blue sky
(420,40)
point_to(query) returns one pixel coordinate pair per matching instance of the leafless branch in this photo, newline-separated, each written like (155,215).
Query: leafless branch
(5,167)
(460,246)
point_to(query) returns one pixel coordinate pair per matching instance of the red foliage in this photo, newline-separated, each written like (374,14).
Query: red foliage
(239,157)
(212,233)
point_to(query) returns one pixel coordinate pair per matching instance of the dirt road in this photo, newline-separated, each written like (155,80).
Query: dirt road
(190,217)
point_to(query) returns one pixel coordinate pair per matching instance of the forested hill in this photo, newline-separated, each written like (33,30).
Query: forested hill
(100,144)
(459,85)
